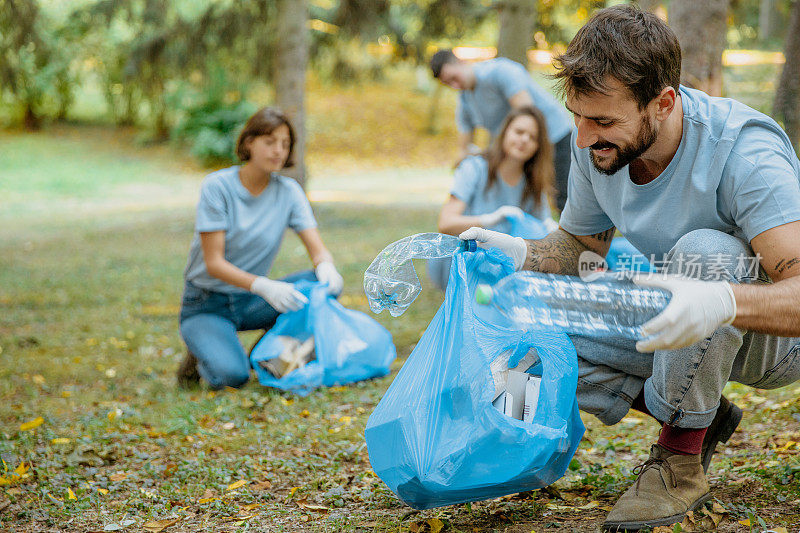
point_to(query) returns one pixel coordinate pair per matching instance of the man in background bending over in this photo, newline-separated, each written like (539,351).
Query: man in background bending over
(487,92)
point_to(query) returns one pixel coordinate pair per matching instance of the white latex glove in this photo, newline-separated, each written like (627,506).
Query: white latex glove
(550,224)
(500,214)
(696,310)
(513,247)
(279,294)
(327,273)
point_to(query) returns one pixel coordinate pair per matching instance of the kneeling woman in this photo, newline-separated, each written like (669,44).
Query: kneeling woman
(241,218)
(513,176)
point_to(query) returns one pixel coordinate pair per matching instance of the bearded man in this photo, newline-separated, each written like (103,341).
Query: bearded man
(709,189)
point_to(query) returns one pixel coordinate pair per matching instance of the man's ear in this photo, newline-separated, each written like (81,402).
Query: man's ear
(665,102)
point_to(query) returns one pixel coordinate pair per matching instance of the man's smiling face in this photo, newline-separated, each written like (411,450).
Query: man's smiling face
(612,126)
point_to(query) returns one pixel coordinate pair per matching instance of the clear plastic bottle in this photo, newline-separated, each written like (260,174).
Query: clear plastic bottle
(390,281)
(606,307)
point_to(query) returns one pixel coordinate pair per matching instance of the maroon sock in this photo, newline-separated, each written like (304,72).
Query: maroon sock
(683,441)
(639,405)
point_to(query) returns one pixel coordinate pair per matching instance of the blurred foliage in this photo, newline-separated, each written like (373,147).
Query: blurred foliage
(210,118)
(157,63)
(743,24)
(35,62)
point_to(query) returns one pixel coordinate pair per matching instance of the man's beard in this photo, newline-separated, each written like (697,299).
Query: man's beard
(645,139)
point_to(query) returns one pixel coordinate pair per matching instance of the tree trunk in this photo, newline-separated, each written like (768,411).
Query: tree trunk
(787,96)
(31,120)
(291,59)
(701,28)
(767,19)
(517,18)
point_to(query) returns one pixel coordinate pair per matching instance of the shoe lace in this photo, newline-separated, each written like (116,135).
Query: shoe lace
(652,462)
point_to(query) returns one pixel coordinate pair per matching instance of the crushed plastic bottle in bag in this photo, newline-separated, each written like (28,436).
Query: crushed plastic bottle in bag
(390,281)
(606,307)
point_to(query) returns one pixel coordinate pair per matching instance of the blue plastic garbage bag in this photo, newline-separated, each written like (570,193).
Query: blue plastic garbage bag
(435,439)
(350,346)
(527,227)
(623,256)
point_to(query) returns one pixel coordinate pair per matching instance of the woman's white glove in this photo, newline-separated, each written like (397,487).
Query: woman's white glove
(550,225)
(327,273)
(696,310)
(514,247)
(499,215)
(280,295)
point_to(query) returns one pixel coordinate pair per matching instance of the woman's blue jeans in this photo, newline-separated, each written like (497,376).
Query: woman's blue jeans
(209,323)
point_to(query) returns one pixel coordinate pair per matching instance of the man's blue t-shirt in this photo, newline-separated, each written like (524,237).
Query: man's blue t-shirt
(496,81)
(469,186)
(253,225)
(735,171)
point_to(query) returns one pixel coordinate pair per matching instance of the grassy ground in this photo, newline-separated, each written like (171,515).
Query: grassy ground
(94,435)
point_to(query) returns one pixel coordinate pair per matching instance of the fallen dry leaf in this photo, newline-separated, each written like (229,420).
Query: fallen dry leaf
(35,423)
(716,518)
(312,507)
(436,525)
(237,484)
(169,469)
(155,526)
(261,485)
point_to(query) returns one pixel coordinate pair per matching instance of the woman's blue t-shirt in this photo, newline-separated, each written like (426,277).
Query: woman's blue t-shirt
(469,186)
(253,225)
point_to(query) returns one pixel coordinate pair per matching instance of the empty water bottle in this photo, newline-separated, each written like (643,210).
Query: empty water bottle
(390,281)
(608,306)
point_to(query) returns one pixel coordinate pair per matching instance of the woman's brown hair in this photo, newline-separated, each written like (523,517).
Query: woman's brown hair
(539,172)
(264,122)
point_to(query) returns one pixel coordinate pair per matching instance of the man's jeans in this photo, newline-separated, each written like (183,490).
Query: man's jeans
(683,387)
(209,322)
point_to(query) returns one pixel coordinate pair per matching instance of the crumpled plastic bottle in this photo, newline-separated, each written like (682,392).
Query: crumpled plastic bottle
(606,307)
(390,281)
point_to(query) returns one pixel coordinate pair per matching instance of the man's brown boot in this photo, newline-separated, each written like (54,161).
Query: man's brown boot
(722,427)
(188,376)
(669,485)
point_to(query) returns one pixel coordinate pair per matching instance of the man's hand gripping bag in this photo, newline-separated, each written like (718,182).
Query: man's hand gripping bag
(435,439)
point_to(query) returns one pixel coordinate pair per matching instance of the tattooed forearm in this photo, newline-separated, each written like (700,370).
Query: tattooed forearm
(784,264)
(557,254)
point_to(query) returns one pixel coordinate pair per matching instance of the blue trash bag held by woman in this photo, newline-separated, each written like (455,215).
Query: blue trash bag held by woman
(349,345)
(435,439)
(527,227)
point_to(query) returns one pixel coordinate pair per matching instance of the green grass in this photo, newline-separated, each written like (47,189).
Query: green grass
(91,260)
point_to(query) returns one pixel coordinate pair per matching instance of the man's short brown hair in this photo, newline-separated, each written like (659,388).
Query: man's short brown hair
(633,46)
